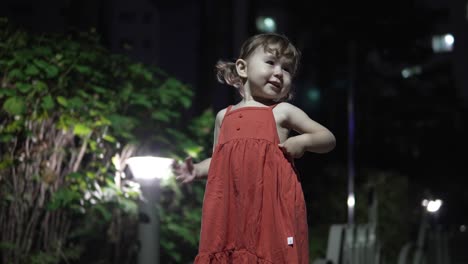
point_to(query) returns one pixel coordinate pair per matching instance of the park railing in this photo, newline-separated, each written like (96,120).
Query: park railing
(352,244)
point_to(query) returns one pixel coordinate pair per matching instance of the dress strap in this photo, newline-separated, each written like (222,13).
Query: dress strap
(273,105)
(228,109)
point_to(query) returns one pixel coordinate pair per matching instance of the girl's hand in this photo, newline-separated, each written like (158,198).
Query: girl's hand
(184,172)
(293,147)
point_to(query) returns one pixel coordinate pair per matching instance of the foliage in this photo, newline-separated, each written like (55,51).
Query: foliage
(71,113)
(181,205)
(393,218)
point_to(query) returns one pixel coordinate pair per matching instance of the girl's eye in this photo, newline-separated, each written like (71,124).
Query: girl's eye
(287,70)
(270,62)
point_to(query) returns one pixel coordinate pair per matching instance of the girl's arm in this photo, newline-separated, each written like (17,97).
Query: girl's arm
(190,171)
(313,136)
(201,169)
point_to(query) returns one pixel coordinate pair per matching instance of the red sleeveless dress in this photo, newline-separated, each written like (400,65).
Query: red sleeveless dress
(253,209)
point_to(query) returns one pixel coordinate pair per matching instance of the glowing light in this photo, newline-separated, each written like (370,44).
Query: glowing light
(351,200)
(433,205)
(313,95)
(150,167)
(463,228)
(411,71)
(425,202)
(269,22)
(405,73)
(449,39)
(443,43)
(266,24)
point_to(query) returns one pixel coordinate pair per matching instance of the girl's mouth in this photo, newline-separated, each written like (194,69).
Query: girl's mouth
(277,85)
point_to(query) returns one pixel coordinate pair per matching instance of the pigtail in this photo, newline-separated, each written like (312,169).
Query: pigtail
(226,73)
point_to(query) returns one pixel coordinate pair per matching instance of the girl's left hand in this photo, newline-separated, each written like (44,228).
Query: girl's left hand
(293,147)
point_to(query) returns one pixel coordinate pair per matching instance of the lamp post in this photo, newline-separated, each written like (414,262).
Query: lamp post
(148,171)
(431,207)
(351,201)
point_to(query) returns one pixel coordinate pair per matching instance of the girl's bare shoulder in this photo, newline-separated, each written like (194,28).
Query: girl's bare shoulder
(285,108)
(289,114)
(282,111)
(220,115)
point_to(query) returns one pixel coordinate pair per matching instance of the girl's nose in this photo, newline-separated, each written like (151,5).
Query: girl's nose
(278,71)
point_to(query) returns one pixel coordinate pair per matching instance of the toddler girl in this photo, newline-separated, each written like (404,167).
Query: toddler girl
(254,209)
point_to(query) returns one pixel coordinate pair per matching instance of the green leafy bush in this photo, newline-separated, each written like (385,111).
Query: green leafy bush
(71,113)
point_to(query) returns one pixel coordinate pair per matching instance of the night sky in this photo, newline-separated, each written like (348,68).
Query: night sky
(416,126)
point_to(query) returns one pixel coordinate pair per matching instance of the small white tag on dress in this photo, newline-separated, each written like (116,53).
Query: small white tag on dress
(290,241)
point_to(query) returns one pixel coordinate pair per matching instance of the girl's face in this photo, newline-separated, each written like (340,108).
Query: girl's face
(268,76)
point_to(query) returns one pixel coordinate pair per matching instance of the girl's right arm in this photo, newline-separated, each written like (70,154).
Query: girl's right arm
(201,169)
(190,171)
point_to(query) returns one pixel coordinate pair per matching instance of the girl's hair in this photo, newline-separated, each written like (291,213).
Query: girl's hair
(226,71)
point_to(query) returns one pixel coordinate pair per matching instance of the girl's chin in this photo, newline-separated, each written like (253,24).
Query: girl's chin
(277,94)
(275,88)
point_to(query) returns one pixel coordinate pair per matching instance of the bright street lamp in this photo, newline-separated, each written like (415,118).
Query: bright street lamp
(149,171)
(148,167)
(432,206)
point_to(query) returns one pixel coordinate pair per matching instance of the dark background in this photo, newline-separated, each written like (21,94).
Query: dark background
(414,126)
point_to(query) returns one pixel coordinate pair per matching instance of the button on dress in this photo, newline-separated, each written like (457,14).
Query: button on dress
(253,209)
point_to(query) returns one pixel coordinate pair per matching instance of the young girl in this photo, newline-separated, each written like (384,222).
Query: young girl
(254,209)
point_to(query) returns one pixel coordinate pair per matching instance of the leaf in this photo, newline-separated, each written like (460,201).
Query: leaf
(62,101)
(76,102)
(160,116)
(101,105)
(83,69)
(128,206)
(14,106)
(100,89)
(16,74)
(88,56)
(63,198)
(93,145)
(81,130)
(141,100)
(7,92)
(122,123)
(102,122)
(5,138)
(41,64)
(91,175)
(47,102)
(40,85)
(139,69)
(23,87)
(109,138)
(186,101)
(193,151)
(104,212)
(23,56)
(6,162)
(74,175)
(31,70)
(126,91)
(43,51)
(52,71)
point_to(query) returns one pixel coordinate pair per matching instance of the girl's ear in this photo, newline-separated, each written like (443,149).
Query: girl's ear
(241,67)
